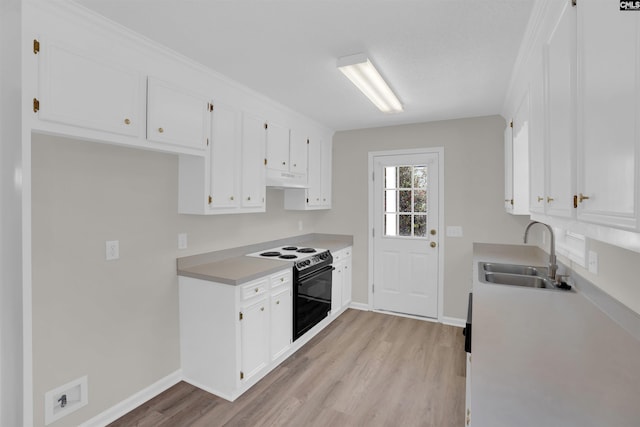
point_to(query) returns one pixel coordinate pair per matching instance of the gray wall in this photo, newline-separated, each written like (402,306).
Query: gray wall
(117,321)
(11,361)
(473,194)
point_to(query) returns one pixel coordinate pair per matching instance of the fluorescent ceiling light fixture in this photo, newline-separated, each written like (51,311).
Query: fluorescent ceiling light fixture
(364,75)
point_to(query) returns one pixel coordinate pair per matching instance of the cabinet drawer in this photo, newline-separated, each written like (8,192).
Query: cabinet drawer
(255,288)
(280,279)
(341,254)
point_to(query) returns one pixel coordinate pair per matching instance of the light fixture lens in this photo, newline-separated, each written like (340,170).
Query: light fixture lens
(359,69)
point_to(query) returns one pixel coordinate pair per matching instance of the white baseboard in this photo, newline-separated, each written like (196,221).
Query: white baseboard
(359,306)
(129,404)
(453,321)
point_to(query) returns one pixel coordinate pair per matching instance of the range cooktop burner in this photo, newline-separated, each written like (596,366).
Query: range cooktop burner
(290,248)
(270,254)
(306,250)
(288,256)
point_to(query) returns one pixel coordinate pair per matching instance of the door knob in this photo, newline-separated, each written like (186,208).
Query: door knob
(432,244)
(127,121)
(433,231)
(160,130)
(582,197)
(540,199)
(550,199)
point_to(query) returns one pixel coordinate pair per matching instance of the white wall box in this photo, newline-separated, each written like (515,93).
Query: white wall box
(318,193)
(608,114)
(231,336)
(80,88)
(176,115)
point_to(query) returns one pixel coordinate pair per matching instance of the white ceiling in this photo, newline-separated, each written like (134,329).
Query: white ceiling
(444,58)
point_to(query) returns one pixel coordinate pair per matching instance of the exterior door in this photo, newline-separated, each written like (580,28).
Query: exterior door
(406,249)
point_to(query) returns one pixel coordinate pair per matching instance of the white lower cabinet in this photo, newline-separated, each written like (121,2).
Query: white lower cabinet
(467,414)
(341,281)
(231,336)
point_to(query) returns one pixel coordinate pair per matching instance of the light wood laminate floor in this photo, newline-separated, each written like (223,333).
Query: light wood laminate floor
(365,369)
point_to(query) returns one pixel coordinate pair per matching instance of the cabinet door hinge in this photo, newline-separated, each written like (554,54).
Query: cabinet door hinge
(307,140)
(240,316)
(373,288)
(210,106)
(266,126)
(373,232)
(207,142)
(307,200)
(574,3)
(373,176)
(36,46)
(36,105)
(265,162)
(241,375)
(511,124)
(210,199)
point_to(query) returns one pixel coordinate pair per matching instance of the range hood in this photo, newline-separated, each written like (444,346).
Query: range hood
(282,179)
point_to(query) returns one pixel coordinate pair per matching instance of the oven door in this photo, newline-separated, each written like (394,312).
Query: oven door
(311,300)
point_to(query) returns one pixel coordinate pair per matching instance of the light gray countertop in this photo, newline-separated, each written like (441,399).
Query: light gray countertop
(233,267)
(549,358)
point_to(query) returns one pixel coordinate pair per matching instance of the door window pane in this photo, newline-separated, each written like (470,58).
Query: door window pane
(405,201)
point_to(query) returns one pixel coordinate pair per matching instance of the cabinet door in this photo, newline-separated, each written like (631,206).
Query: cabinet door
(224,157)
(520,156)
(508,168)
(281,322)
(609,110)
(177,116)
(336,288)
(253,161)
(536,142)
(277,147)
(314,193)
(325,175)
(254,331)
(346,282)
(81,90)
(560,54)
(298,152)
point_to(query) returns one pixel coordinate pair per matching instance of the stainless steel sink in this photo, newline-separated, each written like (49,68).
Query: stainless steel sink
(525,270)
(527,276)
(519,280)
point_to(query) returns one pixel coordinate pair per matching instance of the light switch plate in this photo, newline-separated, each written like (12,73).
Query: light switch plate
(182,241)
(112,250)
(454,231)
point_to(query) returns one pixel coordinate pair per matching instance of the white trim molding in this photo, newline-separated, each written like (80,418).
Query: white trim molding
(453,321)
(129,404)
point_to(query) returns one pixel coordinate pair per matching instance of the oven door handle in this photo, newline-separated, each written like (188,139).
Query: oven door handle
(311,276)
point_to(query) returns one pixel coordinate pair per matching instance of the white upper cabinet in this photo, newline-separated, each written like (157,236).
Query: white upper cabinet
(82,89)
(318,193)
(608,114)
(314,193)
(177,116)
(298,152)
(508,168)
(225,146)
(325,174)
(560,67)
(277,147)
(253,162)
(536,167)
(519,151)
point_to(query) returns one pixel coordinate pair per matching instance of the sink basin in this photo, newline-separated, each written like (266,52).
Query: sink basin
(525,270)
(527,281)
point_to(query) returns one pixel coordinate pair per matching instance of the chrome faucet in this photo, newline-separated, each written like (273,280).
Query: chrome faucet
(553,266)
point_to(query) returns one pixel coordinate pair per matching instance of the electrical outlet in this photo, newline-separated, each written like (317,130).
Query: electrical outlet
(65,399)
(593,262)
(182,241)
(112,250)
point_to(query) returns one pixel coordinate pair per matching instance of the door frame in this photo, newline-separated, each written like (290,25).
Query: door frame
(439,151)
